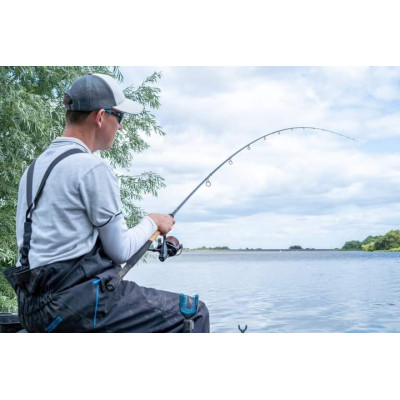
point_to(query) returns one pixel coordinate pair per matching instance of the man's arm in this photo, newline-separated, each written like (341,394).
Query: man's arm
(120,243)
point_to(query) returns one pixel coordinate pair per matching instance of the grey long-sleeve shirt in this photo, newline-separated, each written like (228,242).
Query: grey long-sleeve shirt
(80,201)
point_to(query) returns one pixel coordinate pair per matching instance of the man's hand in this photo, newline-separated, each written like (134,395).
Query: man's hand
(164,222)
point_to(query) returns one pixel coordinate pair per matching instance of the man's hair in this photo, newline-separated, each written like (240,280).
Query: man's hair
(74,117)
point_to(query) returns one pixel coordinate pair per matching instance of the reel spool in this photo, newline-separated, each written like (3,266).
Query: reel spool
(168,247)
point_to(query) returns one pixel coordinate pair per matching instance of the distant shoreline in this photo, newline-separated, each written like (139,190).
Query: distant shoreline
(227,249)
(288,250)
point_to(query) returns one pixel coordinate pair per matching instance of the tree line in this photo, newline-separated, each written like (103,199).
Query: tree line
(389,241)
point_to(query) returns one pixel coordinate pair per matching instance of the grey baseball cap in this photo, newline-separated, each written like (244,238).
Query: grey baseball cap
(96,91)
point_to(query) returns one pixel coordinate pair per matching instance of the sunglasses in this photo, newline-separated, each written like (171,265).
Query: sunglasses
(119,115)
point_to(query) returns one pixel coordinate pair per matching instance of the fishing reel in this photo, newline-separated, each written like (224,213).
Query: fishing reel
(168,247)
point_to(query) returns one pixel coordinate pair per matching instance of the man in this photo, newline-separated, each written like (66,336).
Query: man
(72,236)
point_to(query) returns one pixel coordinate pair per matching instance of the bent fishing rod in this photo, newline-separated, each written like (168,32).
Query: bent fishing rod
(170,246)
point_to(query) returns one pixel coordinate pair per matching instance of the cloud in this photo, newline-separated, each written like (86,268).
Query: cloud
(299,178)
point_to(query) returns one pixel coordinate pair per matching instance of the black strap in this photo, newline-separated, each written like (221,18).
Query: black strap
(33,203)
(24,260)
(29,180)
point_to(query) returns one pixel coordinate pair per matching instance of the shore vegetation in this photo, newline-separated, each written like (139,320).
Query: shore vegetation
(388,242)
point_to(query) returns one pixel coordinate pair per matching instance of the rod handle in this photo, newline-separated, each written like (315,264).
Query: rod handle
(114,282)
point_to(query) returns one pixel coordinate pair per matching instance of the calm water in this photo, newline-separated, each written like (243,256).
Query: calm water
(306,291)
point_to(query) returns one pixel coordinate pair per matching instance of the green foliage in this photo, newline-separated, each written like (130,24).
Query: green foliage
(370,239)
(32,115)
(368,246)
(390,241)
(352,245)
(133,188)
(296,247)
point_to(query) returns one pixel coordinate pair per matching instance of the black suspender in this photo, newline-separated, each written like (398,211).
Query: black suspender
(24,260)
(29,182)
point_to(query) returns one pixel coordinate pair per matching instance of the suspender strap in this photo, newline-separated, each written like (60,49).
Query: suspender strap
(29,180)
(24,260)
(33,204)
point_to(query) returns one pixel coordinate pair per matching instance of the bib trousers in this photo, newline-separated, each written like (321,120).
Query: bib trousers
(71,296)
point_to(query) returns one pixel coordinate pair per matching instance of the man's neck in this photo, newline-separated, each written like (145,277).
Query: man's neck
(81,133)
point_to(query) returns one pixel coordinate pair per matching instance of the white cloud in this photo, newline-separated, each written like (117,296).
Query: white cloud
(384,126)
(291,181)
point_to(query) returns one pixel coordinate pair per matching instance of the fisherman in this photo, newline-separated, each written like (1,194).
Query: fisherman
(74,238)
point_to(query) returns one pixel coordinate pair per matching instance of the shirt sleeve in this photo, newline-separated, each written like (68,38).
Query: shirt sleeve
(119,242)
(100,194)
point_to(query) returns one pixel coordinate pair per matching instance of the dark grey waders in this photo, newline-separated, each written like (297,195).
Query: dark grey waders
(71,296)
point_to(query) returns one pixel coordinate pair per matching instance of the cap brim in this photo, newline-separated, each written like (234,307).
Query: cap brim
(129,106)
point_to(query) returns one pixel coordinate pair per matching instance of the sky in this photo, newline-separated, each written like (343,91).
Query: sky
(302,187)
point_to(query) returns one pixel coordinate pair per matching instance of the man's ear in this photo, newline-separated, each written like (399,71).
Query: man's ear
(99,117)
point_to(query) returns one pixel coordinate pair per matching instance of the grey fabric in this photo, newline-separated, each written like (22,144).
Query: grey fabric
(89,93)
(119,242)
(81,194)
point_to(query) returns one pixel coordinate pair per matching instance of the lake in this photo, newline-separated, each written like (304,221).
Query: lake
(287,291)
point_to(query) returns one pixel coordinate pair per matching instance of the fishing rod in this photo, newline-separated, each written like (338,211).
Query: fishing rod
(247,146)
(170,246)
